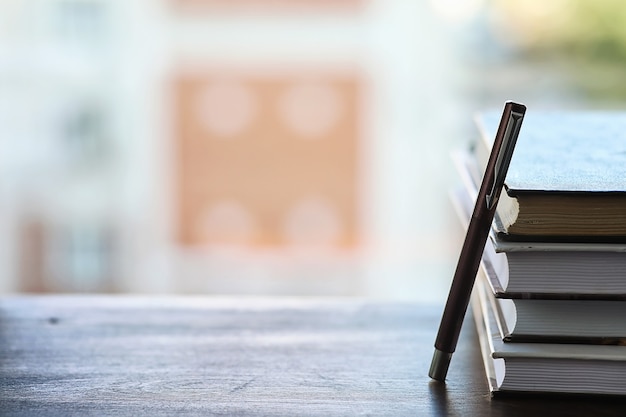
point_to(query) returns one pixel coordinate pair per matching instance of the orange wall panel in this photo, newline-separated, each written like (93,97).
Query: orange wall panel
(267,159)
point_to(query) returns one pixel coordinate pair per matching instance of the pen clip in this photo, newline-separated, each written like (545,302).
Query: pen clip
(504,156)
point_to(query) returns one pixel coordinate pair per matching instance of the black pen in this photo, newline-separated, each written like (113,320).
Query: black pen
(476,238)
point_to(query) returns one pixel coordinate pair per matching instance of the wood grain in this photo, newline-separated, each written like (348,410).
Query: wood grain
(114,356)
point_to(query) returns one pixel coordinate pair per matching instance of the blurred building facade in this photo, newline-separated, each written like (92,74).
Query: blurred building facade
(206,146)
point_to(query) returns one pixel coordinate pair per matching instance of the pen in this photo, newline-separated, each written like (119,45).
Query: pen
(476,238)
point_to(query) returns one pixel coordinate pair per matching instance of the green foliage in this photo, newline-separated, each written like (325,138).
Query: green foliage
(583,40)
(595,29)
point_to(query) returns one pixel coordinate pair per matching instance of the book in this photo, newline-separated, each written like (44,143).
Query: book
(523,269)
(567,177)
(560,270)
(546,367)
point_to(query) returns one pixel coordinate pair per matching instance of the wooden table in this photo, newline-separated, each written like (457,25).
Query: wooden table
(133,356)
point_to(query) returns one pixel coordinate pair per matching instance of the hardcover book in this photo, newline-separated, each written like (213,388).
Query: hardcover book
(567,177)
(546,367)
(560,270)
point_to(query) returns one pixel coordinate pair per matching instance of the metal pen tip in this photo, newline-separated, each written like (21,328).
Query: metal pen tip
(439,365)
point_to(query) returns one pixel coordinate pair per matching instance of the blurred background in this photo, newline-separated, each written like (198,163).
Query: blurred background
(291,147)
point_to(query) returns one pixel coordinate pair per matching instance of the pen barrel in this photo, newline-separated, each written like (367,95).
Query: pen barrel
(479,227)
(475,239)
(464,277)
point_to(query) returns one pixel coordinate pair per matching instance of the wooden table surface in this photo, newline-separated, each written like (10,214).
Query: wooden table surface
(134,356)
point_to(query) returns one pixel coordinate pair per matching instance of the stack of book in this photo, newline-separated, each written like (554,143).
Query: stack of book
(550,299)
